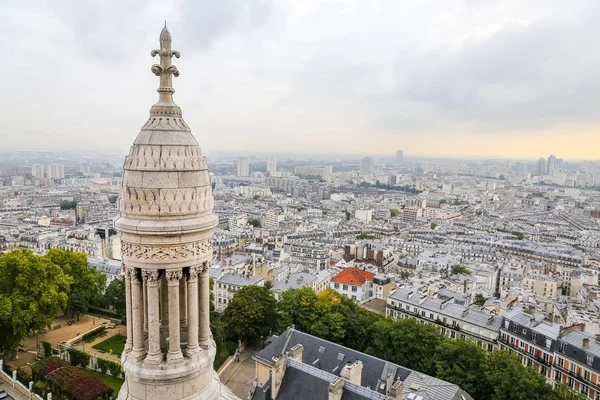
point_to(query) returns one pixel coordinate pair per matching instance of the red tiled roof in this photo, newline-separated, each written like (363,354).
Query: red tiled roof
(353,276)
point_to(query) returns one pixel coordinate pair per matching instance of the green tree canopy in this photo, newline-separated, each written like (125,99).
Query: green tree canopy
(88,283)
(33,290)
(479,299)
(461,362)
(252,313)
(114,295)
(68,205)
(459,269)
(394,212)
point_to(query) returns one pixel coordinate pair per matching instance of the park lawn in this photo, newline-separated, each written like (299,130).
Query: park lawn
(114,343)
(111,381)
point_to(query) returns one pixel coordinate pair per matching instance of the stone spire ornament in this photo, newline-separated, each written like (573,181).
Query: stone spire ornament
(166,226)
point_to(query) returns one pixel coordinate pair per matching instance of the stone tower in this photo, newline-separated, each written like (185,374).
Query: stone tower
(166,225)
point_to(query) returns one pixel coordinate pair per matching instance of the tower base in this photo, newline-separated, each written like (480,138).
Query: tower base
(192,378)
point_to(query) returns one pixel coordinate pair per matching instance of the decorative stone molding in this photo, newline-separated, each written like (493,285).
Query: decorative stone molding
(175,123)
(173,277)
(167,253)
(151,277)
(193,273)
(203,269)
(135,278)
(166,202)
(165,158)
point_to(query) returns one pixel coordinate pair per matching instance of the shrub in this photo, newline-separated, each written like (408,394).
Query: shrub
(78,357)
(88,337)
(39,387)
(114,368)
(102,365)
(47,349)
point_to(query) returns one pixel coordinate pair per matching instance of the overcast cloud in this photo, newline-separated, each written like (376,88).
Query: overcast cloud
(470,77)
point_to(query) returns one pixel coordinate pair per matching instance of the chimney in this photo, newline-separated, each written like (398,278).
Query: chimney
(336,389)
(277,372)
(586,342)
(395,392)
(296,352)
(352,372)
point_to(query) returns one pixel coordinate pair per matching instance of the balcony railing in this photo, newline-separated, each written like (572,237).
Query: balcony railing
(575,375)
(537,358)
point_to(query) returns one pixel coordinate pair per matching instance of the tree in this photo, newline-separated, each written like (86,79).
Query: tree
(394,212)
(406,342)
(296,307)
(519,235)
(479,299)
(505,378)
(68,205)
(459,269)
(459,362)
(563,392)
(251,314)
(33,291)
(433,225)
(255,222)
(87,285)
(114,295)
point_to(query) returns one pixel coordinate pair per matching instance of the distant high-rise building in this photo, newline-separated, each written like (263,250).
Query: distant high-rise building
(243,167)
(37,171)
(541,167)
(55,171)
(367,166)
(551,164)
(399,156)
(271,165)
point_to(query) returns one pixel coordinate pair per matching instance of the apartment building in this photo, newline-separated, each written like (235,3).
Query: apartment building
(532,338)
(577,362)
(227,285)
(455,320)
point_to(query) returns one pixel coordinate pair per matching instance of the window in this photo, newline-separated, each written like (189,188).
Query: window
(586,375)
(490,347)
(524,331)
(354,288)
(531,350)
(589,359)
(533,336)
(337,286)
(422,313)
(563,347)
(345,287)
(506,323)
(558,376)
(584,389)
(548,343)
(353,297)
(522,344)
(529,362)
(431,315)
(561,362)
(545,357)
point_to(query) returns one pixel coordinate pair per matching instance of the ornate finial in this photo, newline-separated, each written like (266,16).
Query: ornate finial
(165,69)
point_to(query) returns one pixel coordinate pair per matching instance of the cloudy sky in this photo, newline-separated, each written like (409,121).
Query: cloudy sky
(504,78)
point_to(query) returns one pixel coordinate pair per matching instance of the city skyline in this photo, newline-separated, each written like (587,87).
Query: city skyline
(497,80)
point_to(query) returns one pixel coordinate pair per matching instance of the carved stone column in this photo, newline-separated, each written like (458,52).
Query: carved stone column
(182,303)
(139,347)
(129,343)
(204,306)
(192,307)
(174,353)
(164,304)
(154,354)
(145,302)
